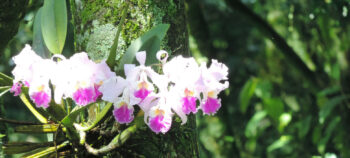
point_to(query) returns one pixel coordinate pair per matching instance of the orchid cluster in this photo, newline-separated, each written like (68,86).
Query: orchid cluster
(182,88)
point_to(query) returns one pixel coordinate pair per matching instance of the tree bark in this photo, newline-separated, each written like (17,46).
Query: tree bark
(96,24)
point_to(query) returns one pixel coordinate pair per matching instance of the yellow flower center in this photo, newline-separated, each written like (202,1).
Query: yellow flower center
(211,94)
(159,112)
(188,93)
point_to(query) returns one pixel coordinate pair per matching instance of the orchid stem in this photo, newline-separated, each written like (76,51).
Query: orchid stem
(25,100)
(119,140)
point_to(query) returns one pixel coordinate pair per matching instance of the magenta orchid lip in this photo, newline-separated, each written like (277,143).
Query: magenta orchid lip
(176,90)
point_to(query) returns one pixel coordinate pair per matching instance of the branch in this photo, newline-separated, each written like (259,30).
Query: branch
(277,39)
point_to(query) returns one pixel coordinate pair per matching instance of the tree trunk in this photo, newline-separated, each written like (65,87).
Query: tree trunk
(96,24)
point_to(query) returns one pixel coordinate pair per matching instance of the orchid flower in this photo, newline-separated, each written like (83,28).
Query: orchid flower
(210,85)
(35,73)
(123,106)
(138,76)
(23,71)
(39,90)
(184,72)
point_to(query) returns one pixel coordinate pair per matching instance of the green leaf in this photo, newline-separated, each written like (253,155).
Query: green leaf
(4,90)
(37,112)
(246,94)
(99,117)
(253,124)
(5,80)
(113,52)
(47,151)
(54,24)
(45,128)
(149,42)
(70,118)
(22,147)
(280,143)
(329,106)
(274,107)
(329,130)
(38,45)
(2,136)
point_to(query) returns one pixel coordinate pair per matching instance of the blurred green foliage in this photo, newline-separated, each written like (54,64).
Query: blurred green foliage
(271,109)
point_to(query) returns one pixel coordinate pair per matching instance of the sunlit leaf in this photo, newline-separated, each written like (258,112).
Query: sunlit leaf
(45,128)
(54,24)
(149,42)
(280,143)
(246,94)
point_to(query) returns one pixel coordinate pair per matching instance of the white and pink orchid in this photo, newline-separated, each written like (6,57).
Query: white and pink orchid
(177,90)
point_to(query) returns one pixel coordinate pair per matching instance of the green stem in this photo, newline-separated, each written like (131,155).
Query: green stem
(39,116)
(116,142)
(113,51)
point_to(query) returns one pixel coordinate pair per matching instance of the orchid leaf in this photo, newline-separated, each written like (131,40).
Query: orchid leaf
(4,90)
(46,152)
(5,80)
(54,24)
(37,112)
(99,117)
(149,42)
(70,118)
(38,45)
(45,128)
(22,147)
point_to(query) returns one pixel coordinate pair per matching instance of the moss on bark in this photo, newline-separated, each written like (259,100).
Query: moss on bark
(96,22)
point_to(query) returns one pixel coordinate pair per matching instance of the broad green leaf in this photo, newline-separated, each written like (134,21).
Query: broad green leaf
(329,106)
(38,42)
(22,147)
(5,80)
(149,42)
(274,107)
(4,90)
(246,94)
(45,128)
(251,129)
(2,135)
(54,24)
